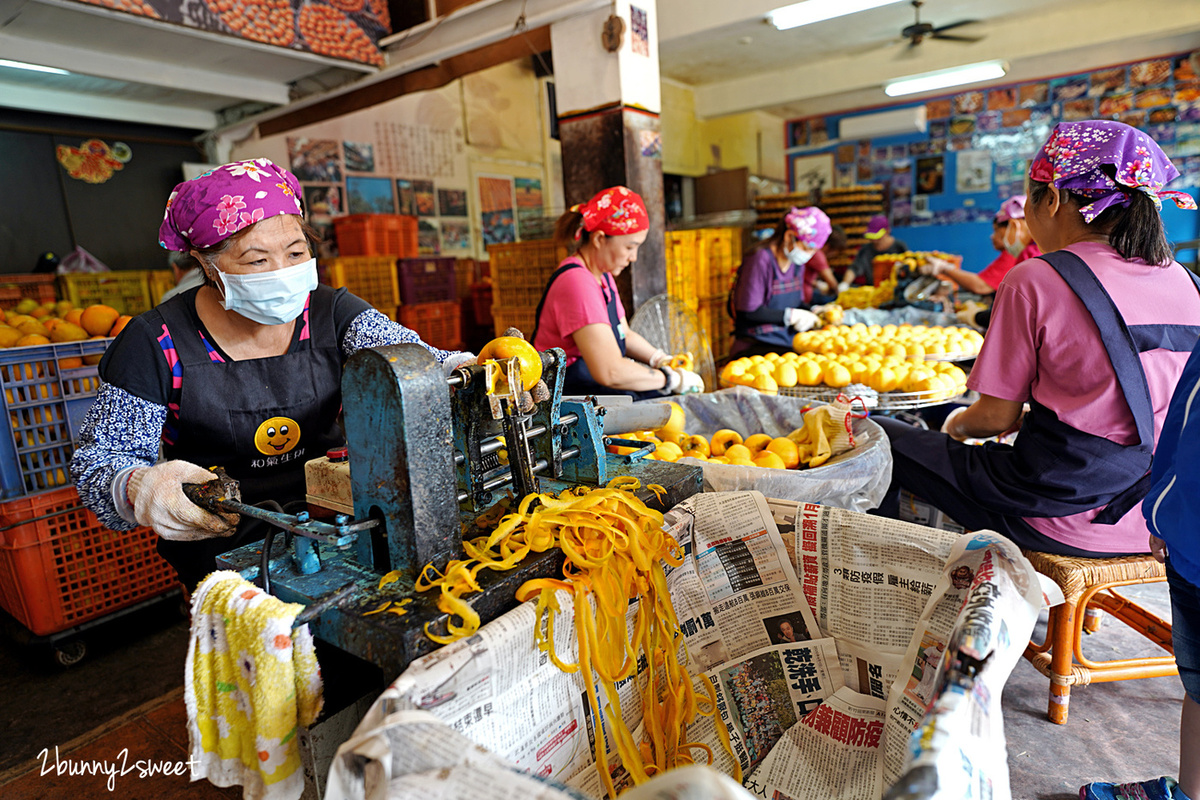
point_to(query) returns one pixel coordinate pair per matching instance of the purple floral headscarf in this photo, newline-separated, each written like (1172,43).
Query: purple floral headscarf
(810,225)
(1075,152)
(210,208)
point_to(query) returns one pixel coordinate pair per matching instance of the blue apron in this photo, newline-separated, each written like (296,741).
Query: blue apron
(578,380)
(786,292)
(1054,469)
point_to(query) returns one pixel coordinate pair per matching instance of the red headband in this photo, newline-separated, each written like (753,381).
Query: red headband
(616,211)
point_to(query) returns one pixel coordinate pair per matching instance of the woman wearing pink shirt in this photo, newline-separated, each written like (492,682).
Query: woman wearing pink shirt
(1093,336)
(581,312)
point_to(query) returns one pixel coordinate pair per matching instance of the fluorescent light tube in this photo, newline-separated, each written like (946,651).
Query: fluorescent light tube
(811,11)
(943,78)
(4,62)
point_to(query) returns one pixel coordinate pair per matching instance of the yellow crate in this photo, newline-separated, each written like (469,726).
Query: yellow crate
(714,318)
(373,278)
(128,291)
(522,319)
(160,281)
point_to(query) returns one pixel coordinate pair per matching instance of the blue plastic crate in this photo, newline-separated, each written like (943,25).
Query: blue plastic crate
(44,405)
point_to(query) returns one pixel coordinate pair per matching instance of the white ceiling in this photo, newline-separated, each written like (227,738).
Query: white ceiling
(752,45)
(737,62)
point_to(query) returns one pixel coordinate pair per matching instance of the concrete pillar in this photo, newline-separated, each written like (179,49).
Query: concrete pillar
(608,122)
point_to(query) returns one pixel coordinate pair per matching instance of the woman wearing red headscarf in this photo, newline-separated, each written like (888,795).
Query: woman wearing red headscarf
(581,313)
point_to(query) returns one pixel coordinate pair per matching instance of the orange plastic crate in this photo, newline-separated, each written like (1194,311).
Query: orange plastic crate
(438,324)
(66,569)
(376,235)
(15,288)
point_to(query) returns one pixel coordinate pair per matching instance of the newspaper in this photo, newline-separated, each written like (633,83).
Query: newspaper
(823,662)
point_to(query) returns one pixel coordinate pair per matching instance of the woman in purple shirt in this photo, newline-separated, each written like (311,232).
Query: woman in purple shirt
(768,301)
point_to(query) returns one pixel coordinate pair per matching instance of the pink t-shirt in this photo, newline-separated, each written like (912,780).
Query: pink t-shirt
(575,299)
(1043,343)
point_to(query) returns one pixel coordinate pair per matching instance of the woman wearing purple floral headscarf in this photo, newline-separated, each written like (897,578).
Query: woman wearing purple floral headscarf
(768,301)
(1093,336)
(243,372)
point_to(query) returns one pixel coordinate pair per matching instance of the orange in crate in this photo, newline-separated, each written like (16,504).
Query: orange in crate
(66,569)
(438,324)
(376,235)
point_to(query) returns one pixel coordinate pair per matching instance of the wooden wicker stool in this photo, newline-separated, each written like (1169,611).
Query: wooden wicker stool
(1088,582)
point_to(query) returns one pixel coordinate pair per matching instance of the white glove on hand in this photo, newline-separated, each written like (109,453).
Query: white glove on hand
(682,381)
(843,286)
(935,266)
(690,382)
(800,320)
(660,359)
(821,286)
(156,494)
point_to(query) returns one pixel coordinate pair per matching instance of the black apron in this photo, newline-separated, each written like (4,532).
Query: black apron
(1054,469)
(260,419)
(578,380)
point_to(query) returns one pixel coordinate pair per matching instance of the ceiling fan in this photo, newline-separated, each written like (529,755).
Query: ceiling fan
(920,31)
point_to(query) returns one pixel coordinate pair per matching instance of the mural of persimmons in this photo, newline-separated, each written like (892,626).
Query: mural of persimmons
(329,33)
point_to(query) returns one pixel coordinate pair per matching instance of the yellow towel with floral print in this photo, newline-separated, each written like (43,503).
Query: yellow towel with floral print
(250,683)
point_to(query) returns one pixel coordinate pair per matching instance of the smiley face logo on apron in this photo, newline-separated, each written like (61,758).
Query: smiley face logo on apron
(276,436)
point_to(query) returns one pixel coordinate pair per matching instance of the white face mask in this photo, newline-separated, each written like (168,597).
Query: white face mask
(270,298)
(1013,243)
(799,256)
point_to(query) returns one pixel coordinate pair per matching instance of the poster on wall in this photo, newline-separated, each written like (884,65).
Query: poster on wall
(496,209)
(456,236)
(529,208)
(426,198)
(360,156)
(973,171)
(428,241)
(370,195)
(930,176)
(406,198)
(813,172)
(452,202)
(323,201)
(639,34)
(315,159)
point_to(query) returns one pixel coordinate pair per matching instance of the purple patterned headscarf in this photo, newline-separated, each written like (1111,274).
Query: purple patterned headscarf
(1012,208)
(810,225)
(1075,152)
(210,208)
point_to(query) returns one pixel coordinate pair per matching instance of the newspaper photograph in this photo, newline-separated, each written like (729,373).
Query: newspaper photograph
(832,753)
(768,691)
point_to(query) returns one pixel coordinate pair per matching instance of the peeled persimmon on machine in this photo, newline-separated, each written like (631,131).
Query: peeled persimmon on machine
(430,461)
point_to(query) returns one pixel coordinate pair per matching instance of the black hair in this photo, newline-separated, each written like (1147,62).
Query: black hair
(1134,231)
(569,231)
(837,238)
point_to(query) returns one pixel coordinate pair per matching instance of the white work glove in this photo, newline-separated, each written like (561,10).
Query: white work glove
(800,320)
(682,381)
(935,266)
(967,315)
(660,358)
(821,286)
(156,494)
(843,286)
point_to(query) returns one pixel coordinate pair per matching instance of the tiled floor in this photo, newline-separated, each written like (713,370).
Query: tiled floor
(128,695)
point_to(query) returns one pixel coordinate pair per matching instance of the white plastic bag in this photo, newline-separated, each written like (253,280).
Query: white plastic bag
(856,480)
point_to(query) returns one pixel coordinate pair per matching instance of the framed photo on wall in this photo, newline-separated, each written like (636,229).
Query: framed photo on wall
(812,172)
